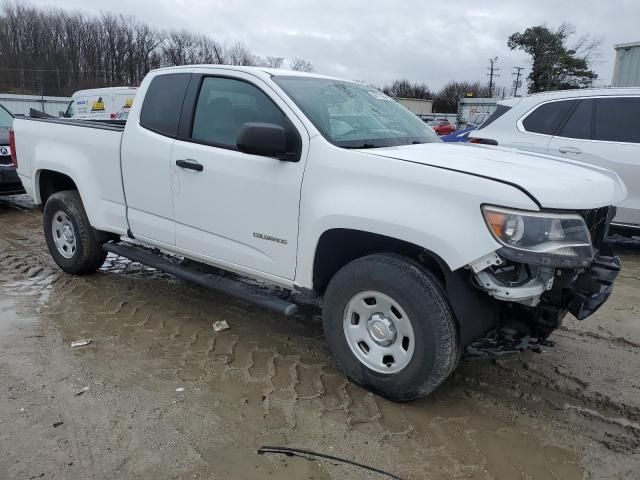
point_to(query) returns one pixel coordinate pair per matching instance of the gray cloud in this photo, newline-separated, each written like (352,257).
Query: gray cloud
(377,41)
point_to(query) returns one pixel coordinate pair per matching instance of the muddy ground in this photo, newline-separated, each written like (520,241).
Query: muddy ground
(571,412)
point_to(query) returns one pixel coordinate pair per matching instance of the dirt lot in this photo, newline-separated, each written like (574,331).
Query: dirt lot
(571,412)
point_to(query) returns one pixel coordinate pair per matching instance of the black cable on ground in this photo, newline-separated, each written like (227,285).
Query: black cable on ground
(307,453)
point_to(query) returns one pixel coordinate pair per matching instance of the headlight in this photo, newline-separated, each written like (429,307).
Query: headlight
(560,234)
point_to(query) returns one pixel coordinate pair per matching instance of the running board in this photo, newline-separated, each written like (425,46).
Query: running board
(215,282)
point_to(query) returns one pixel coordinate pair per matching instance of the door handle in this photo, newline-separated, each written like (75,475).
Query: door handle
(190,164)
(575,150)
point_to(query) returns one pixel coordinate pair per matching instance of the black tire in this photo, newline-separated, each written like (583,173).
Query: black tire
(420,295)
(88,255)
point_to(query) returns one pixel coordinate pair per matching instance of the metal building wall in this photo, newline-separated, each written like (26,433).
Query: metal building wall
(626,70)
(20,104)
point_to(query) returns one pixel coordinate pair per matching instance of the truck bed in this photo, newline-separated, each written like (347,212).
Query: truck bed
(87,151)
(117,125)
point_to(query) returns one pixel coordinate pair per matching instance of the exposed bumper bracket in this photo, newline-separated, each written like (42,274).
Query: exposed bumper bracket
(594,286)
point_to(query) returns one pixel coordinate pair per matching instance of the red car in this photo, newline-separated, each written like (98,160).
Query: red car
(442,127)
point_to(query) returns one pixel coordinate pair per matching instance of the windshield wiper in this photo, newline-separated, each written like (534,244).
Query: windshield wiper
(364,145)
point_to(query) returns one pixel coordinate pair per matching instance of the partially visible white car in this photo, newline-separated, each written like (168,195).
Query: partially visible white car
(599,126)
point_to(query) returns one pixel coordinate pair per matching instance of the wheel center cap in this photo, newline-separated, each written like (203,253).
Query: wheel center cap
(381,329)
(67,233)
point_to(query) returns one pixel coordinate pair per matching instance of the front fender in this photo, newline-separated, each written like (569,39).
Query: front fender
(433,208)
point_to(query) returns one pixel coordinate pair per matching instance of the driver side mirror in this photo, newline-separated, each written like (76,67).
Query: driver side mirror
(265,139)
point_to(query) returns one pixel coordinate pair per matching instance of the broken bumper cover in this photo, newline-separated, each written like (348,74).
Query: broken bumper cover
(594,286)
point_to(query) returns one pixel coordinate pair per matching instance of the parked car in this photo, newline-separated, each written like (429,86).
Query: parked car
(9,181)
(442,127)
(598,126)
(100,103)
(417,249)
(458,135)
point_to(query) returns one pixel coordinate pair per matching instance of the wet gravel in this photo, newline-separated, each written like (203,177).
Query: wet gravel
(158,393)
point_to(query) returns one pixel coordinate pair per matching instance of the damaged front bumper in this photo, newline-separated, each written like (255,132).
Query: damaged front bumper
(525,322)
(594,286)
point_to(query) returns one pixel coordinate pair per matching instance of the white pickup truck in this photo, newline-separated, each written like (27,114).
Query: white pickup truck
(419,249)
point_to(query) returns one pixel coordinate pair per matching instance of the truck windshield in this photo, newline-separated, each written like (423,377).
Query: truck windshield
(352,115)
(6,119)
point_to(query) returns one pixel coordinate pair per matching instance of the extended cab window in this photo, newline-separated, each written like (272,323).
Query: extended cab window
(225,104)
(163,103)
(579,124)
(547,117)
(617,119)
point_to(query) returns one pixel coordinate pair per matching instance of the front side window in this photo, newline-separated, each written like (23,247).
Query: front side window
(163,103)
(617,119)
(548,117)
(579,124)
(225,105)
(352,115)
(6,119)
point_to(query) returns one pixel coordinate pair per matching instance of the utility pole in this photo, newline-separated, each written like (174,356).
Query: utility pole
(516,82)
(492,73)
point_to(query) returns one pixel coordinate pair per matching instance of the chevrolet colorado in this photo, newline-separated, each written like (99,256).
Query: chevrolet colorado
(419,249)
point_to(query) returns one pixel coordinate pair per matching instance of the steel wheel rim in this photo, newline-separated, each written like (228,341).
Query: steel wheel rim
(378,332)
(64,235)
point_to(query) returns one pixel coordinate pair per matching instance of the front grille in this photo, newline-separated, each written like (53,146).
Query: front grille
(5,159)
(598,221)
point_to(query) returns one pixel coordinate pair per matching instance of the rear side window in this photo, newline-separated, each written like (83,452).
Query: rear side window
(579,124)
(617,119)
(163,103)
(499,111)
(548,117)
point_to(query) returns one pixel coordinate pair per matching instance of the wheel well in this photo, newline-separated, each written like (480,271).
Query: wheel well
(340,246)
(51,182)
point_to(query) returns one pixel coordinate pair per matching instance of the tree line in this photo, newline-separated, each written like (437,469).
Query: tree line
(55,52)
(444,101)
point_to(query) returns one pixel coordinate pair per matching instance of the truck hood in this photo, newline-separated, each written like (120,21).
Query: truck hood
(551,181)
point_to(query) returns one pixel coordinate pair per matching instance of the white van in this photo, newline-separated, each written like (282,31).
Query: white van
(100,103)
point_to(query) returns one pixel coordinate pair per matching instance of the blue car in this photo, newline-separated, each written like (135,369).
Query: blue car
(458,135)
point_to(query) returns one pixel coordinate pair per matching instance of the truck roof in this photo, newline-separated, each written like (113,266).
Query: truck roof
(259,71)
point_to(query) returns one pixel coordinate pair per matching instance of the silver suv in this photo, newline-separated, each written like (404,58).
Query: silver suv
(600,126)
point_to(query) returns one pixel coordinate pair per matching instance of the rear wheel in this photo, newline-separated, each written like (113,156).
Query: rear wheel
(71,240)
(390,327)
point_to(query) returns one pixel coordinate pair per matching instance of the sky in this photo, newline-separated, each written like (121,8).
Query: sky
(378,41)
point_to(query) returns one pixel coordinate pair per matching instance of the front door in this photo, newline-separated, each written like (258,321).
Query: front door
(236,209)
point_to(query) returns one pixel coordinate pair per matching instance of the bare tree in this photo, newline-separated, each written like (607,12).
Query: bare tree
(405,89)
(301,65)
(272,62)
(447,99)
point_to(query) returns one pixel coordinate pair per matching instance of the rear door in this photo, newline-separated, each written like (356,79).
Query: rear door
(236,209)
(146,158)
(605,131)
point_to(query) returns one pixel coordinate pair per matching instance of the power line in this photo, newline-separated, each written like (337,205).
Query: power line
(492,70)
(516,82)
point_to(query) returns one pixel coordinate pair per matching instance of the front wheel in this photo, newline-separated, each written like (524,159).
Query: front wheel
(70,238)
(390,327)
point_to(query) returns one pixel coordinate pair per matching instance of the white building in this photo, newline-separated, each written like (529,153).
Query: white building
(626,68)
